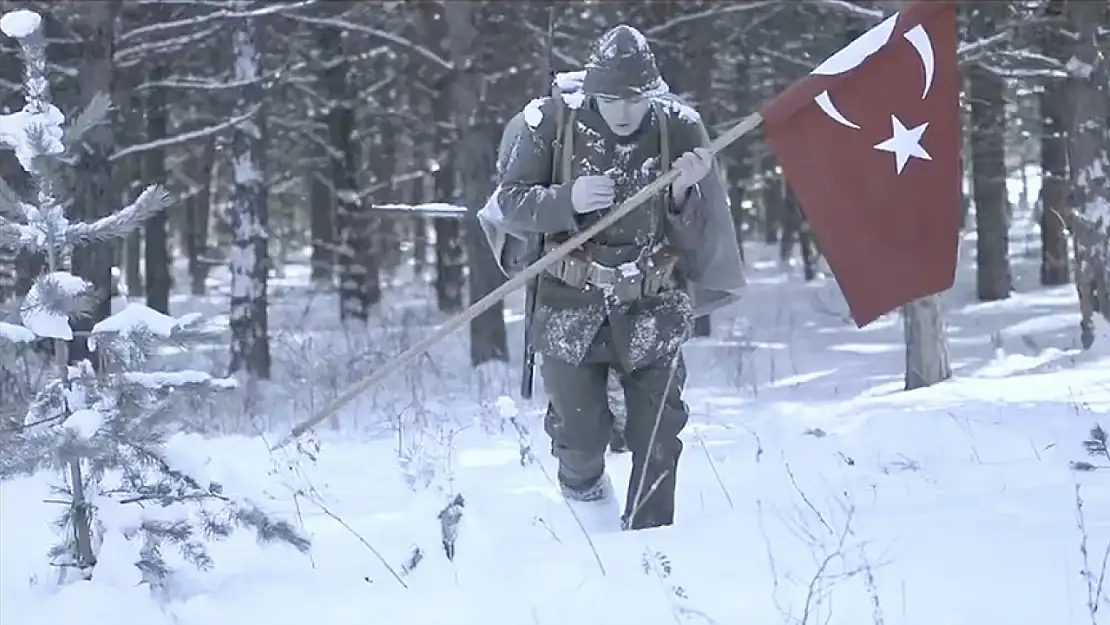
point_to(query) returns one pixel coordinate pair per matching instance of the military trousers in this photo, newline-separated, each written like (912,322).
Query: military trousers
(580,423)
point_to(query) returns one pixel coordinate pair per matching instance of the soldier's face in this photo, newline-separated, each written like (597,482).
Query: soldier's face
(623,115)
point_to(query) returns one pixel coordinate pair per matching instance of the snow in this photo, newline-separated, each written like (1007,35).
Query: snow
(14,127)
(15,334)
(69,283)
(169,379)
(810,483)
(570,81)
(426,209)
(136,316)
(533,113)
(37,312)
(20,23)
(84,422)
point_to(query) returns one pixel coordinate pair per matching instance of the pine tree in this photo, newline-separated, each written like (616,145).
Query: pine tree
(104,427)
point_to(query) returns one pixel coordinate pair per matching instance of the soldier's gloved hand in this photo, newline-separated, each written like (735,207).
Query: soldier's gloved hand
(692,167)
(592,193)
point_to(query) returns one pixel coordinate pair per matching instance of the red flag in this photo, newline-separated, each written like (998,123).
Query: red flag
(870,144)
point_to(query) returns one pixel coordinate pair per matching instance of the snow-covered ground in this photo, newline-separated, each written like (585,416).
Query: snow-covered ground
(812,489)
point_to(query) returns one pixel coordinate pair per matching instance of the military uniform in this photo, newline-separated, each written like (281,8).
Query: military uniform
(614,304)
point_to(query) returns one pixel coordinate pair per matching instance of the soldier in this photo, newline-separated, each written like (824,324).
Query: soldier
(616,304)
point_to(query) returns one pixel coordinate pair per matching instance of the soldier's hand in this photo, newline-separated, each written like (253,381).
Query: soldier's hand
(592,193)
(692,167)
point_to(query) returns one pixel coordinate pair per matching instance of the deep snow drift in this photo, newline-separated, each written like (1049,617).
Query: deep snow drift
(812,490)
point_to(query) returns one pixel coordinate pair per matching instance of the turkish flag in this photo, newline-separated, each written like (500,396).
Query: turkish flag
(870,144)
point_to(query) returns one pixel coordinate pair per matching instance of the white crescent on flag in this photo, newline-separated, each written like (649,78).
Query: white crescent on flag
(856,53)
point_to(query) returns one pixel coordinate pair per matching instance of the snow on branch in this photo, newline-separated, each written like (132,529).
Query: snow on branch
(185,137)
(734,7)
(11,333)
(95,114)
(854,9)
(53,299)
(203,84)
(430,209)
(19,24)
(404,42)
(150,202)
(31,133)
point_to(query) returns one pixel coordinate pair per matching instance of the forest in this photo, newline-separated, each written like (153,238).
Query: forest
(286,192)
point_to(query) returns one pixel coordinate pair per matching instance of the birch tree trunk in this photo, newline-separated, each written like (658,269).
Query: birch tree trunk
(926,343)
(1089,152)
(249,262)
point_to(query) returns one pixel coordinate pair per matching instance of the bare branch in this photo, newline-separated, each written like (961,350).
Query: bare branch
(184,137)
(404,42)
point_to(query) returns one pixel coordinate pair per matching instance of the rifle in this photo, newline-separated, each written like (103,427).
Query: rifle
(528,373)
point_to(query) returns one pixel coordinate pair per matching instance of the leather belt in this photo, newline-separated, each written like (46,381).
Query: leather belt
(628,282)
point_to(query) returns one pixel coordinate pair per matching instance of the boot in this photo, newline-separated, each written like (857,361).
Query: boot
(599,490)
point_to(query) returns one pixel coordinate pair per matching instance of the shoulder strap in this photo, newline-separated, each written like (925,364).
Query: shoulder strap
(664,140)
(664,147)
(562,153)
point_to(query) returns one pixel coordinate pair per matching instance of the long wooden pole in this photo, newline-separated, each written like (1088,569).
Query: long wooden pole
(746,125)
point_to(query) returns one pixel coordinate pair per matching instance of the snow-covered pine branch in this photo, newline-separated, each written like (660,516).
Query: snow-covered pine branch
(150,202)
(12,333)
(53,299)
(106,428)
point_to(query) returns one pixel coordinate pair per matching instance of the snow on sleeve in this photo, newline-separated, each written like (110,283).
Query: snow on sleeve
(15,334)
(137,316)
(84,423)
(19,24)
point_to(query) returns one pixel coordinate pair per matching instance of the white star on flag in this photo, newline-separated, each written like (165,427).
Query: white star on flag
(904,143)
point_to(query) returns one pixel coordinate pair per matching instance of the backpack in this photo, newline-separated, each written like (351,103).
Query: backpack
(518,253)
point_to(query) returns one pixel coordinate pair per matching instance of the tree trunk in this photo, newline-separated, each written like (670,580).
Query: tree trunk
(448,244)
(249,264)
(96,191)
(197,212)
(155,240)
(448,248)
(988,164)
(321,223)
(926,343)
(475,161)
(795,228)
(1089,155)
(359,288)
(773,201)
(1054,170)
(383,154)
(11,71)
